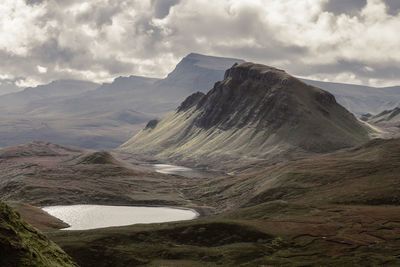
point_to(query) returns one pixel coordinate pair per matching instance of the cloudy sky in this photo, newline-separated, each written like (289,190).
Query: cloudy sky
(353,41)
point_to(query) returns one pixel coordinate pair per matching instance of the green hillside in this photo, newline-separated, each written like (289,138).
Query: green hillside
(23,245)
(256,112)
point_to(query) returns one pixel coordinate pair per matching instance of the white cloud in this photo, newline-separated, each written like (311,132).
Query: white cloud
(41,69)
(18,31)
(101,39)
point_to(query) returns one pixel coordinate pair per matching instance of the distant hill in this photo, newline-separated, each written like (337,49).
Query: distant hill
(61,88)
(72,113)
(361,99)
(388,121)
(194,73)
(386,116)
(255,112)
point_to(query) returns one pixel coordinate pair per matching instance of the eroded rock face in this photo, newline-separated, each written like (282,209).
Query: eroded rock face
(253,95)
(191,101)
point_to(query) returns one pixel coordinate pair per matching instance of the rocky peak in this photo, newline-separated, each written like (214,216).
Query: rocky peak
(251,94)
(258,73)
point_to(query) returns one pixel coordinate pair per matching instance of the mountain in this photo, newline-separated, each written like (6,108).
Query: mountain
(148,95)
(386,116)
(22,245)
(387,121)
(360,99)
(69,113)
(194,73)
(255,112)
(60,88)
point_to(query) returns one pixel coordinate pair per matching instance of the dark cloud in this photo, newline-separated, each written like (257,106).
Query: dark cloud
(162,7)
(393,6)
(101,14)
(33,2)
(350,7)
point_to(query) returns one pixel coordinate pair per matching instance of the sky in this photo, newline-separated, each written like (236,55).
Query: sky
(350,41)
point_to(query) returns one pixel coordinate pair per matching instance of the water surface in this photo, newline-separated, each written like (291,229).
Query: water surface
(183,171)
(84,217)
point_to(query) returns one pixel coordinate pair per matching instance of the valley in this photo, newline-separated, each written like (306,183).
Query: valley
(324,210)
(279,173)
(171,133)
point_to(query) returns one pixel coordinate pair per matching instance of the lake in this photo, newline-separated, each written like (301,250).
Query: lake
(84,217)
(183,171)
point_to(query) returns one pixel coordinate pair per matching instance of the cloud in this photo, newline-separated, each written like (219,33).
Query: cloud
(162,7)
(393,7)
(345,6)
(347,41)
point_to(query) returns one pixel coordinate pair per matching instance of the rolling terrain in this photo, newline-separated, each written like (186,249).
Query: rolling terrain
(42,174)
(337,209)
(256,112)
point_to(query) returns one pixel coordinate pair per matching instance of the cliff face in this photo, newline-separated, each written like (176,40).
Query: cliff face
(255,112)
(23,245)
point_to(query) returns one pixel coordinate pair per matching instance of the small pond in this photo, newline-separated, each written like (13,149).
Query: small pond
(84,217)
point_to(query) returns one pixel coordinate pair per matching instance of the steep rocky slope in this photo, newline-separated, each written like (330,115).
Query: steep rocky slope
(388,122)
(255,112)
(22,245)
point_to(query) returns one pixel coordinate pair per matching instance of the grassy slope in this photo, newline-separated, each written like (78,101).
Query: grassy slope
(23,245)
(363,175)
(339,209)
(37,217)
(295,118)
(44,174)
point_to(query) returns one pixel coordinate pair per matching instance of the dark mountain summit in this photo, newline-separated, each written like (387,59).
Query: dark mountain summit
(255,112)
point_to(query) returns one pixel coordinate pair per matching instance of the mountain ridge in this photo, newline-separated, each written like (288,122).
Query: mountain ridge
(252,113)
